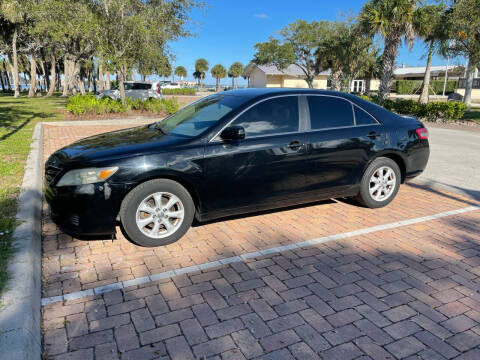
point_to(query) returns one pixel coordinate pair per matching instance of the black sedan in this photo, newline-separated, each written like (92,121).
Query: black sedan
(231,153)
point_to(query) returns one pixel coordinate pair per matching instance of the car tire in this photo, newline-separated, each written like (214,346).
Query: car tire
(380,183)
(147,221)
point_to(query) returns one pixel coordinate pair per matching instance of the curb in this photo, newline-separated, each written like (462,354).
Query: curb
(20,315)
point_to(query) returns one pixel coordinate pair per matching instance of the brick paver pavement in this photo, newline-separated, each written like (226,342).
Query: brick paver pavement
(408,292)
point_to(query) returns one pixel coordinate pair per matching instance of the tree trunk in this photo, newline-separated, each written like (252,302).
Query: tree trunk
(309,80)
(108,83)
(51,87)
(100,82)
(467,99)
(66,76)
(15,63)
(90,81)
(8,76)
(1,79)
(335,78)
(392,41)
(44,76)
(79,79)
(120,81)
(33,77)
(426,78)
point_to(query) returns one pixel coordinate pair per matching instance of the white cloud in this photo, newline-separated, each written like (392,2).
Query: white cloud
(261,16)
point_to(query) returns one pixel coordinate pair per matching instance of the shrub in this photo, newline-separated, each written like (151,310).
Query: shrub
(432,111)
(436,86)
(182,91)
(88,104)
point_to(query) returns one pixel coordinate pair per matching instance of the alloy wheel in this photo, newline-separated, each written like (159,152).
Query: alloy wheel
(160,215)
(382,183)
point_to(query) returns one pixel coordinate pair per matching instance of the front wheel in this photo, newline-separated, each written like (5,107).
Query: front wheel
(157,212)
(380,183)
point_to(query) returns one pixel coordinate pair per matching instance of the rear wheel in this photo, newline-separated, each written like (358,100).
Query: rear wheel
(157,212)
(380,183)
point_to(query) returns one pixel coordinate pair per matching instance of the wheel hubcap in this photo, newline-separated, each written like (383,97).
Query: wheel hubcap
(160,215)
(382,183)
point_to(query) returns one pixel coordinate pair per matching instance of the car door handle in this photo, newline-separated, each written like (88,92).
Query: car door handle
(295,145)
(373,135)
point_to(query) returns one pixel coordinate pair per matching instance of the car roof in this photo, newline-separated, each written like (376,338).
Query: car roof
(261,92)
(254,94)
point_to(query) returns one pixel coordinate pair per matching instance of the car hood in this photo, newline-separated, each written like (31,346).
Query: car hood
(117,144)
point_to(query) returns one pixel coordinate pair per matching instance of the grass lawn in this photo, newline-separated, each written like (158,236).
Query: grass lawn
(473,114)
(17,121)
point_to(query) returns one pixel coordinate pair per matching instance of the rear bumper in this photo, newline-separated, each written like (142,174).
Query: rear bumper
(417,160)
(86,210)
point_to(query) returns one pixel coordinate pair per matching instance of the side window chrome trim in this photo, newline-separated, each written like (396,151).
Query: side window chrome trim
(214,138)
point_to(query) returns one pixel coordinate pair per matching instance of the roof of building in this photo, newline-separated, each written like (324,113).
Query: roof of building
(292,70)
(420,70)
(296,70)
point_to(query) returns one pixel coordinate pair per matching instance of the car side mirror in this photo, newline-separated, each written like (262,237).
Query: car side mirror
(233,133)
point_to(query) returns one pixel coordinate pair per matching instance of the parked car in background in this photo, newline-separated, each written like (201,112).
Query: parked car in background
(231,153)
(134,90)
(171,85)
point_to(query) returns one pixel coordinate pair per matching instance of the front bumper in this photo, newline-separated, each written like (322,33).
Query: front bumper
(86,210)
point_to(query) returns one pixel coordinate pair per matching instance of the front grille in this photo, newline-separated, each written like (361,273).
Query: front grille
(51,173)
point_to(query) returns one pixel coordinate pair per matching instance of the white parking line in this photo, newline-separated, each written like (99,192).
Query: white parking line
(205,266)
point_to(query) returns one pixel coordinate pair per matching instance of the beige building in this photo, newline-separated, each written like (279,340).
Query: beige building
(260,76)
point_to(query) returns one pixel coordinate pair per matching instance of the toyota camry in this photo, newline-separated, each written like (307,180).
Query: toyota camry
(233,152)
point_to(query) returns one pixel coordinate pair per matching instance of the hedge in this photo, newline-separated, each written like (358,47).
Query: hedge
(89,104)
(181,91)
(433,111)
(409,87)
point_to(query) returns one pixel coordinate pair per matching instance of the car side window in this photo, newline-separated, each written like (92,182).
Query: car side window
(329,112)
(274,116)
(363,118)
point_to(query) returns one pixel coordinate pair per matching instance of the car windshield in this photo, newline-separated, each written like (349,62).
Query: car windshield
(194,119)
(128,86)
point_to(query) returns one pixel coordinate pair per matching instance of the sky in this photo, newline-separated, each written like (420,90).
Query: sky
(227,30)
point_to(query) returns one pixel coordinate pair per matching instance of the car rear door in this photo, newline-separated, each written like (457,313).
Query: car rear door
(265,167)
(342,139)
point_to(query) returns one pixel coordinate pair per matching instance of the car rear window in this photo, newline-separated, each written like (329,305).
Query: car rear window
(362,117)
(329,112)
(273,116)
(140,86)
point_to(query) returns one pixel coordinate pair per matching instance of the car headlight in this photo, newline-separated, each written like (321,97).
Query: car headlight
(86,176)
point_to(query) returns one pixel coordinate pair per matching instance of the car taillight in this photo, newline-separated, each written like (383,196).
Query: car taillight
(422,133)
(159,89)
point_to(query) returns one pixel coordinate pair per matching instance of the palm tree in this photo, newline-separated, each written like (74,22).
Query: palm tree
(201,67)
(429,24)
(235,70)
(181,72)
(219,72)
(392,19)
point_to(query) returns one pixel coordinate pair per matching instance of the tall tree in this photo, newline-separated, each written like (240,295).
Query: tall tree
(181,72)
(429,23)
(16,12)
(131,28)
(298,44)
(235,71)
(393,20)
(464,29)
(201,68)
(218,72)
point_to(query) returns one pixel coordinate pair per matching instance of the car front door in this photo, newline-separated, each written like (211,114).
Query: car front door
(342,139)
(267,166)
